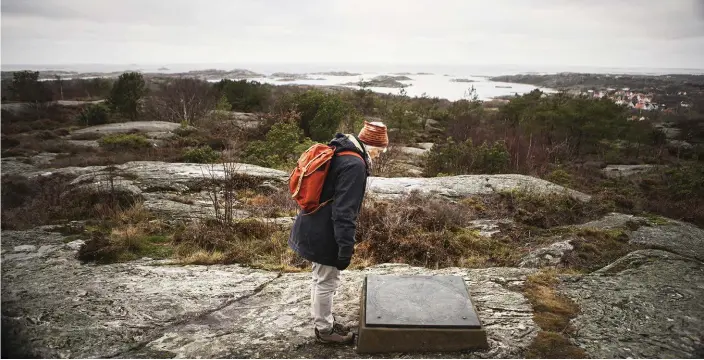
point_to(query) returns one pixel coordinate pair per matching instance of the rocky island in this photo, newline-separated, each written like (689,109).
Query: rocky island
(337,73)
(463,80)
(383,81)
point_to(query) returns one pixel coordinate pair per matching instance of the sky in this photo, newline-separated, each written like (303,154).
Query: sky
(609,33)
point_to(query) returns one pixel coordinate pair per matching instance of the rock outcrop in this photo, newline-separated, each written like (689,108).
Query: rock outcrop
(157,182)
(615,171)
(673,236)
(465,185)
(647,304)
(659,233)
(153,129)
(53,306)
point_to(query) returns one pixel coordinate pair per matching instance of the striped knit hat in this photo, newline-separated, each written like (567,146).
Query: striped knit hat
(374,134)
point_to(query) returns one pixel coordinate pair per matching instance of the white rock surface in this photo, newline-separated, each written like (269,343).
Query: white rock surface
(413,151)
(426,146)
(158,128)
(465,185)
(626,170)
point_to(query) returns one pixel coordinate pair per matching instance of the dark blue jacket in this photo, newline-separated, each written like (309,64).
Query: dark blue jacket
(328,234)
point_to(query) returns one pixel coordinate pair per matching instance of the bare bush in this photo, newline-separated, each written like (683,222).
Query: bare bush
(383,165)
(185,100)
(223,190)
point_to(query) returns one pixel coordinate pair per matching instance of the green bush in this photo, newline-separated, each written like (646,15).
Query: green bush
(243,95)
(201,155)
(321,114)
(283,145)
(124,141)
(684,182)
(466,158)
(25,86)
(126,93)
(223,104)
(560,177)
(404,121)
(95,114)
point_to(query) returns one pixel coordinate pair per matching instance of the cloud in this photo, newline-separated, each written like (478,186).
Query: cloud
(622,33)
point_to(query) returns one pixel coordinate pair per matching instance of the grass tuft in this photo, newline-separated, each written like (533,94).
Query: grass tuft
(552,312)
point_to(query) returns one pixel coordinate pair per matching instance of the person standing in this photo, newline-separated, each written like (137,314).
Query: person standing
(326,236)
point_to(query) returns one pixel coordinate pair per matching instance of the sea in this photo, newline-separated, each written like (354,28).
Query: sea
(426,79)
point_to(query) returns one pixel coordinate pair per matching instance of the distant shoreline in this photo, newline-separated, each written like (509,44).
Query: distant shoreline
(415,85)
(454,70)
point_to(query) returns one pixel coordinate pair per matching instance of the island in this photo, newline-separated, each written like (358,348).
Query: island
(337,73)
(463,80)
(383,81)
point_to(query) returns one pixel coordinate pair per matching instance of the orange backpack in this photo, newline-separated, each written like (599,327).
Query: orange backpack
(306,181)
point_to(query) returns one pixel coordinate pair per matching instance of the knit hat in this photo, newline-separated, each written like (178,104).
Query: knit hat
(374,134)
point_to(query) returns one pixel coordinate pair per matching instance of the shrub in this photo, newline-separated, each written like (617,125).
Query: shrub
(560,177)
(465,158)
(201,155)
(9,142)
(403,122)
(134,234)
(243,95)
(25,86)
(249,242)
(223,104)
(124,141)
(547,210)
(126,94)
(596,248)
(320,114)
(43,200)
(283,145)
(94,114)
(426,232)
(184,100)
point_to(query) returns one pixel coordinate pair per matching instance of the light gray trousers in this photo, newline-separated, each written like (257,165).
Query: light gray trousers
(326,279)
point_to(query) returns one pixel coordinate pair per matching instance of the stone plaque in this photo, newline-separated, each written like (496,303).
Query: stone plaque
(417,314)
(419,301)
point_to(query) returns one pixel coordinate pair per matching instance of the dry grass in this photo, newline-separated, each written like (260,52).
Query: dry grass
(542,211)
(127,235)
(595,248)
(248,242)
(551,345)
(202,257)
(273,205)
(102,157)
(434,232)
(46,200)
(427,232)
(552,312)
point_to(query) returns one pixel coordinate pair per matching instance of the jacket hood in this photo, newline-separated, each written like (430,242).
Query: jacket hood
(348,142)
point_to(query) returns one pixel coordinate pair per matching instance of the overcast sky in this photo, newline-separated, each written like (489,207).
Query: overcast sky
(612,33)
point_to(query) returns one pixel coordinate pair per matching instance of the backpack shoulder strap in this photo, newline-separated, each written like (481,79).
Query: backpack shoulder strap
(349,153)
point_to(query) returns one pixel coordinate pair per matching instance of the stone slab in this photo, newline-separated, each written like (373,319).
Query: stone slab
(419,301)
(440,296)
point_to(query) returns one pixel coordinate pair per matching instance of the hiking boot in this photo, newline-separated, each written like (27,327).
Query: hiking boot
(336,336)
(339,327)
